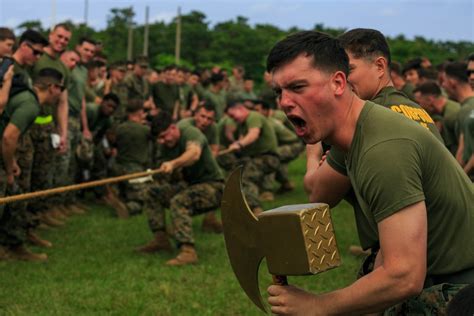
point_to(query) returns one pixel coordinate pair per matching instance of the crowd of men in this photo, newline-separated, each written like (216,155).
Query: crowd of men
(100,120)
(68,115)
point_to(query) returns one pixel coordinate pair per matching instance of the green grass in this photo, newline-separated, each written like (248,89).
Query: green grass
(92,270)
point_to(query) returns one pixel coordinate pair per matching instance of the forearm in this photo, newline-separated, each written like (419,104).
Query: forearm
(372,293)
(189,157)
(4,92)
(250,137)
(62,114)
(313,157)
(84,122)
(8,152)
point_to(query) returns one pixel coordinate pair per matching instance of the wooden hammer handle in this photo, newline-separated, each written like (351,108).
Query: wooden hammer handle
(280,280)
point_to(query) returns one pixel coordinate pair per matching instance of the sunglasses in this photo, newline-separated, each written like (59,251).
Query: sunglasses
(59,86)
(35,51)
(469,72)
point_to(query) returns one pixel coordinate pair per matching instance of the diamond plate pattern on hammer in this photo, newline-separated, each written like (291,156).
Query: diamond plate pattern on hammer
(320,240)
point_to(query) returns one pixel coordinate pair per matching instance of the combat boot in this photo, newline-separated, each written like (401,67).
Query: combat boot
(119,207)
(36,240)
(210,223)
(159,243)
(4,254)
(75,209)
(187,255)
(50,221)
(22,253)
(266,196)
(57,214)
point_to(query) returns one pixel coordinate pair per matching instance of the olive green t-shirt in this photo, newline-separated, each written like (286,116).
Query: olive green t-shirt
(138,88)
(133,144)
(217,100)
(210,132)
(283,134)
(419,168)
(23,75)
(266,142)
(393,99)
(21,111)
(165,96)
(466,106)
(203,170)
(121,90)
(77,89)
(47,61)
(448,131)
(186,94)
(407,89)
(224,123)
(268,95)
(468,132)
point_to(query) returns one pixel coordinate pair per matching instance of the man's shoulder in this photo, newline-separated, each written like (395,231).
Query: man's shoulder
(189,121)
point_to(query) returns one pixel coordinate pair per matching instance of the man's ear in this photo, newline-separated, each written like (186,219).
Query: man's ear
(381,64)
(339,83)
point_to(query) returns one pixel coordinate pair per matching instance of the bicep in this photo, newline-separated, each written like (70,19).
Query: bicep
(11,133)
(403,242)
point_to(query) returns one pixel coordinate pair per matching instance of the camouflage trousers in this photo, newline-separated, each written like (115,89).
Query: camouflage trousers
(41,171)
(286,153)
(99,169)
(433,300)
(14,220)
(65,169)
(184,201)
(136,195)
(228,162)
(255,170)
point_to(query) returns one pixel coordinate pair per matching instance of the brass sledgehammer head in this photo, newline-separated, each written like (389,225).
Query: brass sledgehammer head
(294,239)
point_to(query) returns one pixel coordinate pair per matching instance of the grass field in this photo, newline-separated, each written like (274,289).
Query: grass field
(92,270)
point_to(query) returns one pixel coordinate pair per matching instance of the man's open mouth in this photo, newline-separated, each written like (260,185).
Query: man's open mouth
(299,123)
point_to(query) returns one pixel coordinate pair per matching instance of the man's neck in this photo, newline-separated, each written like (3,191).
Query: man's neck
(384,82)
(439,104)
(18,58)
(41,96)
(48,50)
(350,108)
(135,118)
(463,92)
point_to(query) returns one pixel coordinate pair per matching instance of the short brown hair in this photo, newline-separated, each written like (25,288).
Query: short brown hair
(6,33)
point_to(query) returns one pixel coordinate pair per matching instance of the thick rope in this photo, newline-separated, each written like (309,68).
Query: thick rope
(75,187)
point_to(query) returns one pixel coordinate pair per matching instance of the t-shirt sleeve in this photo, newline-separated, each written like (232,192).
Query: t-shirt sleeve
(336,159)
(389,177)
(254,121)
(24,115)
(194,135)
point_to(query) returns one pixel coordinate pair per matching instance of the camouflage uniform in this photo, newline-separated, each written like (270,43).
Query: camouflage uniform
(121,90)
(13,223)
(42,166)
(184,201)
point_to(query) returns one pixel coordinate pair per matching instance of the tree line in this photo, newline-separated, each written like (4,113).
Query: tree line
(233,42)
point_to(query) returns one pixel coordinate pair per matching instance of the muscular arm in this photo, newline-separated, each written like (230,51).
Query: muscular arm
(400,274)
(469,167)
(189,157)
(5,88)
(62,116)
(9,144)
(250,137)
(85,124)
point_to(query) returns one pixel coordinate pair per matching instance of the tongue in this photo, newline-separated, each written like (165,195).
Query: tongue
(300,130)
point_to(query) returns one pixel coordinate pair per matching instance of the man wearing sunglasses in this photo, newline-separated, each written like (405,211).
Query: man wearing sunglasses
(24,107)
(30,49)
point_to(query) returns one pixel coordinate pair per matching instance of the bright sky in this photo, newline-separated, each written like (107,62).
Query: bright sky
(438,19)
